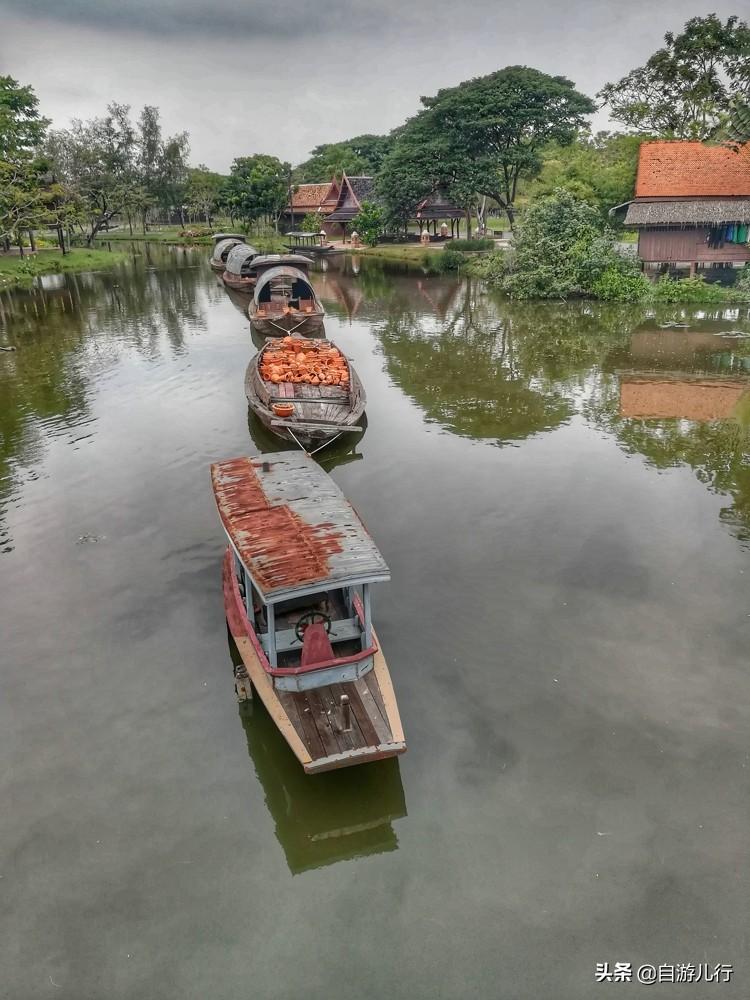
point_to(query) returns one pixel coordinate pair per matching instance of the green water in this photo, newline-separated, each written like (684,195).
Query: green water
(567,629)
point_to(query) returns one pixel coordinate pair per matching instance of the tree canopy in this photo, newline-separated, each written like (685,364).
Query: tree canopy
(483,136)
(686,87)
(258,187)
(361,155)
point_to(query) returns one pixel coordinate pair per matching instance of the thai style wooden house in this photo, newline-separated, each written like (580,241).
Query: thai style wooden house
(312,199)
(352,193)
(436,208)
(691,205)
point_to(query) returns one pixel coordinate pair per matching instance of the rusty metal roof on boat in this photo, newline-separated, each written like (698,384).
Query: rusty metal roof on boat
(292,527)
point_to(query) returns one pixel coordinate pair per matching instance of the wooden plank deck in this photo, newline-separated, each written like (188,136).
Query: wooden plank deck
(316,716)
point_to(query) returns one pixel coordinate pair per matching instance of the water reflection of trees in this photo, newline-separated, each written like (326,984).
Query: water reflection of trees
(493,370)
(64,336)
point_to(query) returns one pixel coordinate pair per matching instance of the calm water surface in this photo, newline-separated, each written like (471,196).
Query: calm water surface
(567,627)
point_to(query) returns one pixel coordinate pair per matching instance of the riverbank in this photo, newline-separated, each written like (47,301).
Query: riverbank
(177,236)
(21,271)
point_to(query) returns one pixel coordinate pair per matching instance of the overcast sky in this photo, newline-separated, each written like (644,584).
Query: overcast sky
(281,76)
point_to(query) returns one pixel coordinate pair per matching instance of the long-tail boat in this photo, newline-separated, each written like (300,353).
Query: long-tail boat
(297,575)
(305,390)
(285,302)
(238,273)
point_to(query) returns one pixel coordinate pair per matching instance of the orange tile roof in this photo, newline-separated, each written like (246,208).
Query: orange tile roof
(310,195)
(679,169)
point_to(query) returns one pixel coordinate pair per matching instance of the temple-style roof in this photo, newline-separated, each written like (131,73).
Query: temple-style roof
(292,528)
(679,169)
(438,206)
(354,190)
(319,198)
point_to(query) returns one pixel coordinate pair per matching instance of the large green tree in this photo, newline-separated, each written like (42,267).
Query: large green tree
(22,128)
(203,191)
(258,187)
(486,134)
(598,169)
(363,154)
(685,89)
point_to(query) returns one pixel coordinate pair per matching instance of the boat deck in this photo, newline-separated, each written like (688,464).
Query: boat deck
(317,718)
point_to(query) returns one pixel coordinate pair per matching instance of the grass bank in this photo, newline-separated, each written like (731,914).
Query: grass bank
(20,271)
(405,253)
(189,236)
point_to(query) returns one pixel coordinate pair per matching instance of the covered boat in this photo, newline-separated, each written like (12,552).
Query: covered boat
(284,302)
(238,273)
(218,237)
(297,577)
(305,391)
(221,250)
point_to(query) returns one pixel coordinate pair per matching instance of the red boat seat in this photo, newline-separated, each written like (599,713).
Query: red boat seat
(316,646)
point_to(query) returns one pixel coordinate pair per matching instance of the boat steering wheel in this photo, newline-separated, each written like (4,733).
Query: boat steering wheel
(309,618)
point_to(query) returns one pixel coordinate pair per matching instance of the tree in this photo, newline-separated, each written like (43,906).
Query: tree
(203,191)
(363,154)
(369,223)
(485,134)
(562,248)
(598,169)
(259,187)
(311,223)
(21,131)
(117,166)
(685,88)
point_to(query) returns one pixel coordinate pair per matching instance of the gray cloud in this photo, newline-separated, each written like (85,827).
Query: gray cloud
(281,76)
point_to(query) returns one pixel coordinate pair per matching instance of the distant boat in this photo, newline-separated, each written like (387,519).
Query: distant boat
(285,302)
(218,237)
(312,413)
(297,576)
(309,243)
(221,250)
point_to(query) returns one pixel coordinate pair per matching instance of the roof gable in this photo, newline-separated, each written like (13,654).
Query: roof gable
(679,169)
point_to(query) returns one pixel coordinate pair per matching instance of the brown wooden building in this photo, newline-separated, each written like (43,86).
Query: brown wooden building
(312,199)
(352,193)
(691,205)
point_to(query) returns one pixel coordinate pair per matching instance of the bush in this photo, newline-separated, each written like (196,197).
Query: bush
(493,267)
(311,223)
(687,290)
(369,223)
(616,285)
(440,263)
(472,244)
(560,249)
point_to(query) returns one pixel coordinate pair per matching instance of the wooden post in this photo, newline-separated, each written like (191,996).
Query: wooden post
(346,714)
(271,619)
(367,636)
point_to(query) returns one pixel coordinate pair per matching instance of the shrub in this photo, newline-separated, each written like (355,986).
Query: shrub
(493,267)
(311,223)
(687,290)
(617,285)
(369,223)
(440,263)
(472,244)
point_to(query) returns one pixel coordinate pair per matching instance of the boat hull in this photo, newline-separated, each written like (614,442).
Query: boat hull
(300,324)
(308,720)
(319,419)
(238,284)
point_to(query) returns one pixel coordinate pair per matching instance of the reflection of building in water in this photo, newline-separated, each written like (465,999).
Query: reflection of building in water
(691,349)
(325,818)
(652,396)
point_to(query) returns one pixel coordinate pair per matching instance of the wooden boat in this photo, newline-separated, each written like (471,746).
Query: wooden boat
(243,269)
(221,250)
(320,412)
(297,576)
(285,302)
(310,243)
(238,273)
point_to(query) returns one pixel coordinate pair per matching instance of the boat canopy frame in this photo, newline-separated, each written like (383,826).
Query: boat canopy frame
(275,274)
(227,245)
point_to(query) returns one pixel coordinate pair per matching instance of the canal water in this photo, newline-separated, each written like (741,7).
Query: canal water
(562,492)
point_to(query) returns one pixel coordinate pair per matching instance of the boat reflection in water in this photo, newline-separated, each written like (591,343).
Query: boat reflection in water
(324,818)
